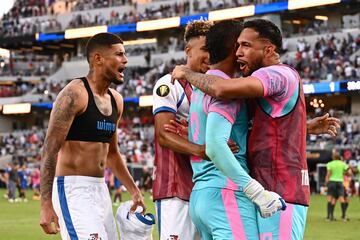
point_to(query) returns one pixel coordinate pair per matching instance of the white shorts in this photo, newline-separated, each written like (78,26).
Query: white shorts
(84,208)
(174,220)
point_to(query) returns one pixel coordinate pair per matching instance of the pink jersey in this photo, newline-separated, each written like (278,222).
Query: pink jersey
(277,142)
(280,89)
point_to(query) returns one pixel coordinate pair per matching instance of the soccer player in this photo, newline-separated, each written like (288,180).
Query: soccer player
(172,170)
(80,142)
(221,201)
(336,170)
(277,144)
(13,179)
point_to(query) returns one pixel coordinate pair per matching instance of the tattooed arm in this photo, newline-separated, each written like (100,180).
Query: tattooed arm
(216,86)
(66,106)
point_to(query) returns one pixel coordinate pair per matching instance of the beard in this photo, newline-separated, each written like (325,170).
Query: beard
(255,66)
(117,81)
(114,77)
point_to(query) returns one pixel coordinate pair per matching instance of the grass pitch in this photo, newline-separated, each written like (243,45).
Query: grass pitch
(19,221)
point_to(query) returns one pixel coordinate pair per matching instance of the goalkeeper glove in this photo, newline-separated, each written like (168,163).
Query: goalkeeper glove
(267,202)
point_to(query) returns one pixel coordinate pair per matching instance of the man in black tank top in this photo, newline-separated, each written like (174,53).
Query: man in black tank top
(80,142)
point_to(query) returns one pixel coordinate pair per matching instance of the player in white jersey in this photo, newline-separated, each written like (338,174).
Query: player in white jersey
(171,97)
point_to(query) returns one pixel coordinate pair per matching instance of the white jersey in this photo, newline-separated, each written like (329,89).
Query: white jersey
(172,169)
(170,97)
(134,226)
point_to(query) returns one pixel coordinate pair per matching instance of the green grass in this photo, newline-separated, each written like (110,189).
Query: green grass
(20,221)
(318,229)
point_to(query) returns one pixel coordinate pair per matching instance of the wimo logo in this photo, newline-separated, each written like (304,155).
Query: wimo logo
(105,126)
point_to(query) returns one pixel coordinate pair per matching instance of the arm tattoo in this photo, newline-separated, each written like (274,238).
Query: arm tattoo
(60,120)
(202,81)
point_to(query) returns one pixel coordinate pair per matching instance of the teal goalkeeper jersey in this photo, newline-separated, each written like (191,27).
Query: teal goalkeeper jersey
(205,172)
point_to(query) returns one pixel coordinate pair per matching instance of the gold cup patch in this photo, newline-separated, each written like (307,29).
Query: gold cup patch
(163,91)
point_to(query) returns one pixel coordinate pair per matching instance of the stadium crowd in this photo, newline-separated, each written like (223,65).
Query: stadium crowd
(27,67)
(14,90)
(17,21)
(328,60)
(13,27)
(35,8)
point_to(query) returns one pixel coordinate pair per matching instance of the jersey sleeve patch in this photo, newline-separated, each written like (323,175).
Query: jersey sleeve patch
(163,90)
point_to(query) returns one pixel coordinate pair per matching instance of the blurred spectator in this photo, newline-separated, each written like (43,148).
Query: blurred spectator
(118,190)
(23,174)
(13,179)
(35,182)
(146,180)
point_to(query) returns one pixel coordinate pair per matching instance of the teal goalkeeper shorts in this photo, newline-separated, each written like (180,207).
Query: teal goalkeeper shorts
(223,214)
(284,225)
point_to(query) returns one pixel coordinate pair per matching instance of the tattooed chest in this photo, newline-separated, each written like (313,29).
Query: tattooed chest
(104,105)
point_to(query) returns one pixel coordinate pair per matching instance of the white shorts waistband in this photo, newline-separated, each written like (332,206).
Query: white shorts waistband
(80,179)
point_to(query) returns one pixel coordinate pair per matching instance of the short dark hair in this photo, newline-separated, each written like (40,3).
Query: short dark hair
(101,40)
(267,30)
(221,39)
(196,29)
(335,154)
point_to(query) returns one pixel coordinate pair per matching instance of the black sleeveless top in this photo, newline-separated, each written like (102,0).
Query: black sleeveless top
(92,125)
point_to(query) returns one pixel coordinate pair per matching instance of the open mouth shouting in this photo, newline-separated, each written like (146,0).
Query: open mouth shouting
(121,71)
(242,64)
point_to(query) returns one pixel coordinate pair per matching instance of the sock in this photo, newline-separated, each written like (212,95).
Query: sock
(332,211)
(328,210)
(343,209)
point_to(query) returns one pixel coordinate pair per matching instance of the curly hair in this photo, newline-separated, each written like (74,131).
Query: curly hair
(196,29)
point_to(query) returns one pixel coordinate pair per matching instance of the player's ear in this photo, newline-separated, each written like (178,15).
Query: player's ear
(97,58)
(270,50)
(187,49)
